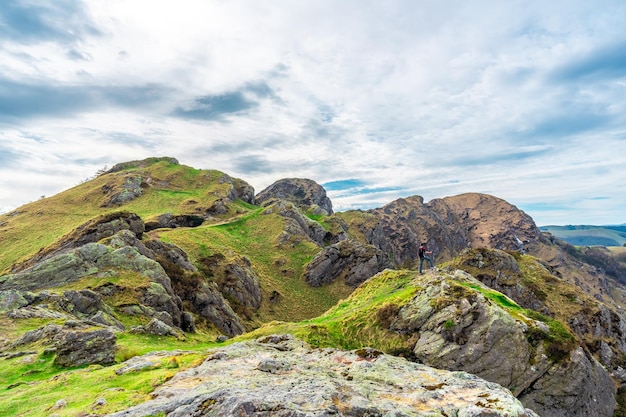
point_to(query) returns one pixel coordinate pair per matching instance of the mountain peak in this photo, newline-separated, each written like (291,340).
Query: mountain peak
(304,193)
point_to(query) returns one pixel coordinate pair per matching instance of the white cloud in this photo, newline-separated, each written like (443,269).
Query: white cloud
(518,99)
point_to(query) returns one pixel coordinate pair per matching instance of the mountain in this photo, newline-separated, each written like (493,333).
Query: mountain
(151,277)
(589,235)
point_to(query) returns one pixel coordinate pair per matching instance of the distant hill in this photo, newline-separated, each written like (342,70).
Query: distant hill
(585,235)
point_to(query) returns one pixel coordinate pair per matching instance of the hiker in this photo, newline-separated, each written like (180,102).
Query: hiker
(422,252)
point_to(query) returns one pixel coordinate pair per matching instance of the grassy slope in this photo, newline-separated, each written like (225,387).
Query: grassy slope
(354,322)
(36,225)
(279,267)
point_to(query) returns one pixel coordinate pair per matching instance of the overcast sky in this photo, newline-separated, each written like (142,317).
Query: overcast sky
(375,100)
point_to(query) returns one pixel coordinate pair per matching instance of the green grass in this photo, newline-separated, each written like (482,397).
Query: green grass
(354,322)
(255,235)
(173,188)
(33,389)
(35,376)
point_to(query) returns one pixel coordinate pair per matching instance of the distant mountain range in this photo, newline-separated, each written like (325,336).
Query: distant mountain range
(586,235)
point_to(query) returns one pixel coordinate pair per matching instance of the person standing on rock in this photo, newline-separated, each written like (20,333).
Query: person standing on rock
(422,252)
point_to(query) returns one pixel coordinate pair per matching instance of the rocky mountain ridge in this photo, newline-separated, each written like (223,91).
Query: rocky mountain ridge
(172,273)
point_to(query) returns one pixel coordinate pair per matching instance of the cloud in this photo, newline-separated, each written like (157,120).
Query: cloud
(26,99)
(25,21)
(216,107)
(603,63)
(377,101)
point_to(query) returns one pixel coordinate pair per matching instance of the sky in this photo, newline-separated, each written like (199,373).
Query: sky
(523,100)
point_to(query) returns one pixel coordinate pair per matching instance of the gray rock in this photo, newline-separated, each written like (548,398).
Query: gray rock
(11,299)
(304,193)
(350,260)
(298,227)
(580,387)
(49,334)
(85,348)
(458,328)
(242,284)
(157,327)
(210,304)
(282,376)
(107,319)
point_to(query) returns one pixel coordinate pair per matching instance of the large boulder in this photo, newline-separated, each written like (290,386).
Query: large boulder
(350,260)
(210,304)
(86,348)
(121,252)
(281,376)
(304,193)
(298,227)
(457,323)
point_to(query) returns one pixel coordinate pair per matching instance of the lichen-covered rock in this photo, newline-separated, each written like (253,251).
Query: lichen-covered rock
(209,303)
(159,328)
(460,324)
(84,348)
(11,299)
(580,387)
(350,260)
(92,259)
(298,227)
(304,193)
(282,376)
(92,231)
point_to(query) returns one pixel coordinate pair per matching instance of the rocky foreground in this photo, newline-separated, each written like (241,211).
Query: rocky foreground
(284,377)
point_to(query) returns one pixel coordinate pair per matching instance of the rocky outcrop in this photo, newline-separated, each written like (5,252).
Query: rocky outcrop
(447,225)
(171,221)
(602,327)
(499,270)
(236,280)
(306,194)
(209,303)
(92,231)
(158,328)
(74,343)
(457,323)
(350,260)
(282,376)
(86,348)
(297,226)
(125,188)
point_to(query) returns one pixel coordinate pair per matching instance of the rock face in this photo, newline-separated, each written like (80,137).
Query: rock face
(448,226)
(110,244)
(460,324)
(92,231)
(85,348)
(305,194)
(602,327)
(349,260)
(282,376)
